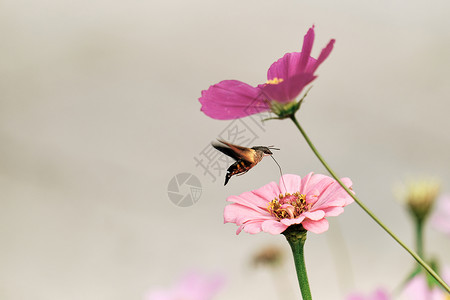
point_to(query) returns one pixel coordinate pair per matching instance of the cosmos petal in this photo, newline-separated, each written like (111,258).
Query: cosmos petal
(232,99)
(323,55)
(308,42)
(288,89)
(287,77)
(288,66)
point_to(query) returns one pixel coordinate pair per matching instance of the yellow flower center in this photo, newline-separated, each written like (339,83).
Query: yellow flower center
(275,80)
(288,206)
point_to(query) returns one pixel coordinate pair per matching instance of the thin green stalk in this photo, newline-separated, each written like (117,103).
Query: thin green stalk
(296,237)
(419,237)
(333,174)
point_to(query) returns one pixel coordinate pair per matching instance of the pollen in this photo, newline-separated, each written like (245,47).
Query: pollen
(288,206)
(275,80)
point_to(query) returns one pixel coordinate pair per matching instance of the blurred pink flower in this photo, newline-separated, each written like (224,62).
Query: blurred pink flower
(379,294)
(419,289)
(273,208)
(441,217)
(286,78)
(193,286)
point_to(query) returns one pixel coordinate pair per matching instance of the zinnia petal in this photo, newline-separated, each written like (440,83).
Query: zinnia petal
(379,294)
(239,214)
(292,183)
(446,274)
(273,227)
(249,199)
(335,195)
(314,215)
(333,211)
(232,99)
(273,208)
(305,181)
(290,222)
(268,191)
(252,227)
(319,226)
(417,288)
(199,287)
(315,184)
(193,286)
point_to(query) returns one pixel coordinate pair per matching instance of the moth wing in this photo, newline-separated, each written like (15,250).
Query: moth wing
(225,150)
(234,151)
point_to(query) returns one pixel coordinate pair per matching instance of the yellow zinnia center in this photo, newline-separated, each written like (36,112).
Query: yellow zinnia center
(288,206)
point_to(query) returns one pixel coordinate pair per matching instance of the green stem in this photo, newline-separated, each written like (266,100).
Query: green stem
(333,174)
(419,237)
(296,237)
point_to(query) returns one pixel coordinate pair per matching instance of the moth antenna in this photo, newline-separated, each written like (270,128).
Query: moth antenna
(281,172)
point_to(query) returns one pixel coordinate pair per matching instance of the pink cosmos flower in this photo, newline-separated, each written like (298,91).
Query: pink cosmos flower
(193,286)
(441,217)
(379,294)
(286,78)
(273,208)
(418,288)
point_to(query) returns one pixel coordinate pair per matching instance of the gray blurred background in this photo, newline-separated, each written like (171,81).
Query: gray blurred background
(99,111)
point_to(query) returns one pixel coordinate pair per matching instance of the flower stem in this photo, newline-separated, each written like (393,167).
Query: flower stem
(333,174)
(296,237)
(419,237)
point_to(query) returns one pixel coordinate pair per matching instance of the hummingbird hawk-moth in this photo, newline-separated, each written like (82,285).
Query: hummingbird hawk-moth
(246,158)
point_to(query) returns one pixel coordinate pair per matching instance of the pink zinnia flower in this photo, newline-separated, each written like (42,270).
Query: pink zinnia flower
(273,208)
(193,286)
(377,295)
(286,78)
(441,216)
(419,289)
